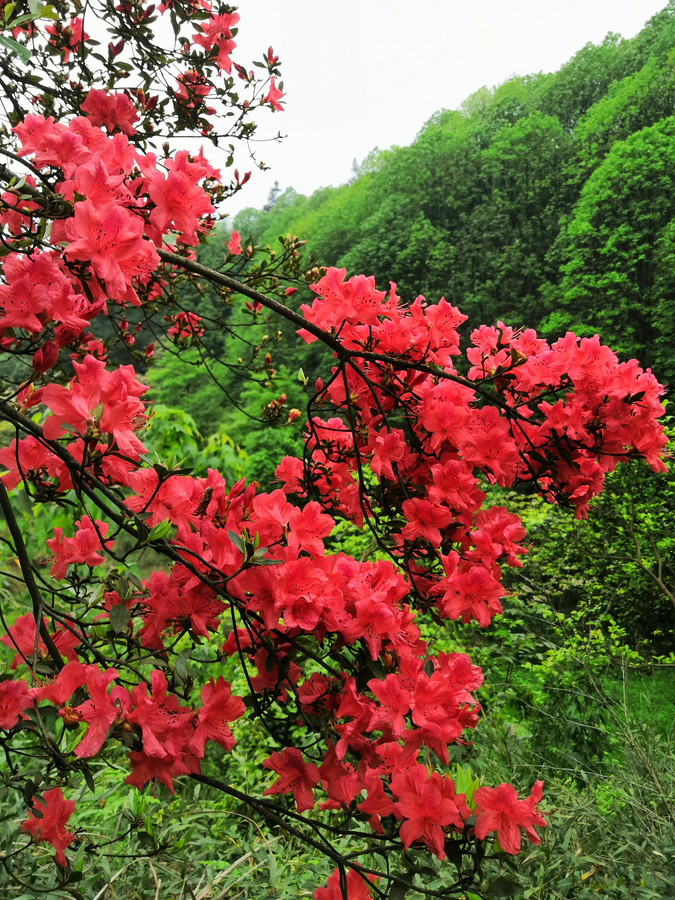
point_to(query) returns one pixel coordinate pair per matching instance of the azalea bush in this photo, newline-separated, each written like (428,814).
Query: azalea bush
(172,618)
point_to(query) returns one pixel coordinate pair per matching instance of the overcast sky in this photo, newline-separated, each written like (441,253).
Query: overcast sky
(365,73)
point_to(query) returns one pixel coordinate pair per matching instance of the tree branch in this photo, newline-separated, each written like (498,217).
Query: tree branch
(29,579)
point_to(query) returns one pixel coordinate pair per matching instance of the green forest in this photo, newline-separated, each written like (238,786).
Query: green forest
(546,202)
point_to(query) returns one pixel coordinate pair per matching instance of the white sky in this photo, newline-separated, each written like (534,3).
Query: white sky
(365,73)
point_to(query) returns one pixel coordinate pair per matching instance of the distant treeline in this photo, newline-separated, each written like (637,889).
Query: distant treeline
(547,202)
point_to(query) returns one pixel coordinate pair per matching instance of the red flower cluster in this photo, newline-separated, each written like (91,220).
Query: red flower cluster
(185,327)
(172,737)
(216,37)
(403,446)
(50,827)
(82,548)
(110,110)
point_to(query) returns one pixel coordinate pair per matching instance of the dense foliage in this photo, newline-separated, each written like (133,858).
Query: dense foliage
(547,201)
(176,630)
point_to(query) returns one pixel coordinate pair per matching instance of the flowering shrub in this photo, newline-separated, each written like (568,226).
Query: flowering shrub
(397,441)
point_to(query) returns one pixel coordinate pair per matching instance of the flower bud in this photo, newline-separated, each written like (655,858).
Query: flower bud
(45,357)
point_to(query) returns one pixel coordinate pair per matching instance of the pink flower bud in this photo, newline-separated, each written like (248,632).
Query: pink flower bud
(45,357)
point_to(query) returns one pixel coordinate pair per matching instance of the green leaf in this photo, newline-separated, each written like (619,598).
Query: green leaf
(160,530)
(238,541)
(180,665)
(89,780)
(465,782)
(504,887)
(28,790)
(119,618)
(261,561)
(399,889)
(22,52)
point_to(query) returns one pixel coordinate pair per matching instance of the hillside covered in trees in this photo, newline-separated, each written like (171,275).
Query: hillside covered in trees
(547,201)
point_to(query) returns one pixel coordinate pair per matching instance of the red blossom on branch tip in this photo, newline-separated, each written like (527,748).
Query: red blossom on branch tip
(499,809)
(357,887)
(100,711)
(185,325)
(219,708)
(14,698)
(234,244)
(270,58)
(427,803)
(56,811)
(72,676)
(84,547)
(180,201)
(67,39)
(295,775)
(111,240)
(110,109)
(21,637)
(273,97)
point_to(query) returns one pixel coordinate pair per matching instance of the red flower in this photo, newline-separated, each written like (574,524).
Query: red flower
(26,458)
(55,813)
(388,447)
(21,637)
(111,239)
(395,702)
(500,810)
(307,528)
(68,38)
(427,802)
(72,676)
(179,201)
(105,401)
(468,593)
(424,520)
(112,110)
(376,803)
(218,709)
(78,549)
(14,698)
(217,32)
(294,775)
(160,717)
(234,244)
(357,888)
(273,97)
(339,781)
(99,712)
